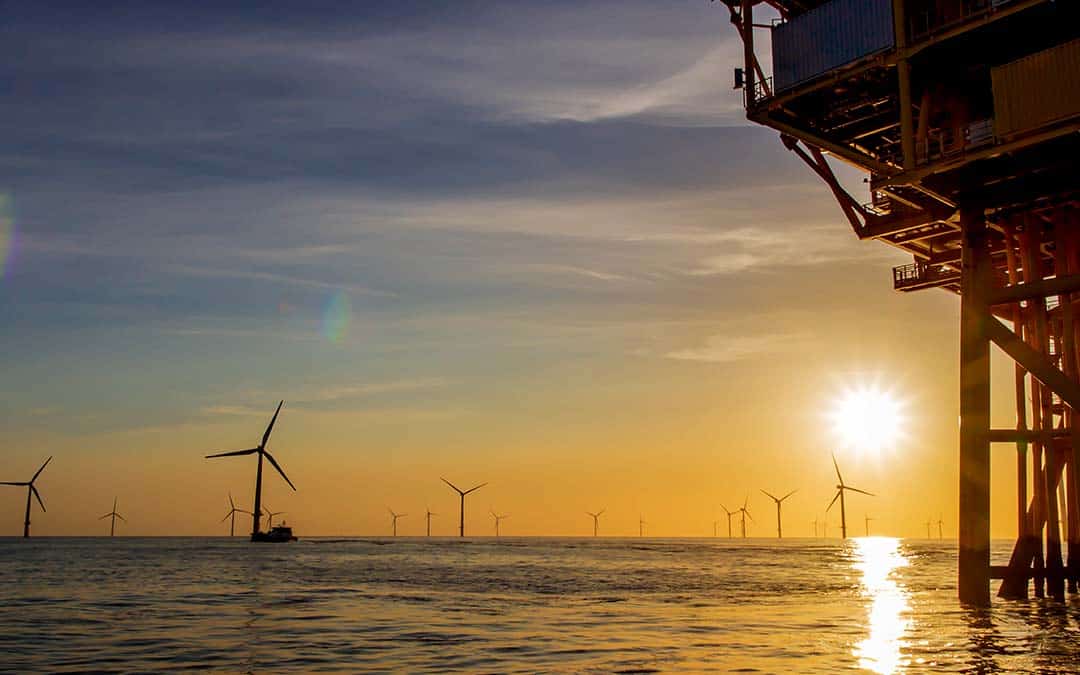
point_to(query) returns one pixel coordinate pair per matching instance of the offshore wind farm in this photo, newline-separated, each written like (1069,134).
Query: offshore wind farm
(551,256)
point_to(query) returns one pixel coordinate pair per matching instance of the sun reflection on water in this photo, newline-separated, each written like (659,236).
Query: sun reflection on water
(878,558)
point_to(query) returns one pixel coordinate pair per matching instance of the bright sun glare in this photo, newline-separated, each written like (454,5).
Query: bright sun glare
(868,419)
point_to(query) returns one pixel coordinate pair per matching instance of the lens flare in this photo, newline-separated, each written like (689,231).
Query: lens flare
(868,419)
(7,233)
(336,318)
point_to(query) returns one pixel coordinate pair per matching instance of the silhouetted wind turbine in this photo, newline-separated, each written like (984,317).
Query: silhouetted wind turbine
(715,524)
(232,514)
(428,515)
(729,515)
(461,524)
(840,488)
(394,517)
(745,514)
(262,452)
(270,516)
(498,519)
(928,524)
(940,522)
(815,527)
(779,501)
(114,515)
(866,524)
(596,521)
(31,490)
(641,526)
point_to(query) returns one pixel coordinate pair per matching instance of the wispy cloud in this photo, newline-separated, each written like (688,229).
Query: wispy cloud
(731,348)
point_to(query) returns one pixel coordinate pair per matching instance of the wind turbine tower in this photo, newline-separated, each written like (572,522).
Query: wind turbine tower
(394,517)
(641,526)
(729,515)
(779,501)
(498,519)
(841,487)
(31,490)
(866,524)
(428,515)
(462,493)
(261,452)
(596,521)
(114,515)
(745,515)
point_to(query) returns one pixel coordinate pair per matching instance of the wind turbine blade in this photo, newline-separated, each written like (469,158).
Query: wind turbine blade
(105,516)
(601,512)
(14,483)
(41,469)
(475,488)
(835,497)
(272,461)
(837,467)
(771,496)
(725,509)
(121,517)
(231,503)
(864,492)
(37,494)
(233,454)
(456,488)
(226,517)
(270,427)
(749,516)
(745,502)
(788,494)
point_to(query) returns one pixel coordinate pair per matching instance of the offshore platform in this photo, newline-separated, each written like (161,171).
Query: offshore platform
(966,116)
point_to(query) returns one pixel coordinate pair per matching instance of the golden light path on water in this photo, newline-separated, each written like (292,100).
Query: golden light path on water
(889,618)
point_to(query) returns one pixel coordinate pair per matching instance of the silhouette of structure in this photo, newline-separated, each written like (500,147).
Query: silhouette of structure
(270,515)
(928,524)
(596,521)
(715,525)
(745,515)
(965,114)
(779,501)
(498,519)
(866,525)
(113,515)
(815,524)
(261,452)
(462,493)
(641,526)
(940,524)
(31,490)
(394,518)
(429,513)
(841,488)
(231,516)
(729,515)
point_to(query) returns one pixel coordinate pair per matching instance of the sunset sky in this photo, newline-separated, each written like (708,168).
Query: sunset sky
(533,244)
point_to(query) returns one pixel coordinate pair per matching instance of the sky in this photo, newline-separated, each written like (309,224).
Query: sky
(530,244)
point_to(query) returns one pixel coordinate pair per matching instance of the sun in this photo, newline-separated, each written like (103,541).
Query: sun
(868,419)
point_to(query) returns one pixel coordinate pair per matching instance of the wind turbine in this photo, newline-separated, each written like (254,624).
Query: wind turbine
(114,515)
(715,523)
(940,522)
(394,517)
(461,525)
(779,501)
(232,514)
(729,515)
(261,452)
(928,524)
(596,520)
(270,516)
(840,488)
(866,524)
(815,527)
(641,526)
(498,519)
(31,490)
(745,514)
(428,515)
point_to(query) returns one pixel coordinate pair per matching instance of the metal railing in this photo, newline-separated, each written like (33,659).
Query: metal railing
(761,91)
(917,275)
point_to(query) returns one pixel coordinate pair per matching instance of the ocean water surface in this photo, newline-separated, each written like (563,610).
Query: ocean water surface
(512,605)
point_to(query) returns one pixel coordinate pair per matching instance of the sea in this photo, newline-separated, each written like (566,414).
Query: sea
(510,605)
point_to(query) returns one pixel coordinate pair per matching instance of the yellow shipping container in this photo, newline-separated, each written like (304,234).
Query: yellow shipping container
(1037,90)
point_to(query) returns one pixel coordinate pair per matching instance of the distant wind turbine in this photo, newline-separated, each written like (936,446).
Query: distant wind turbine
(745,515)
(114,515)
(840,489)
(428,515)
(940,523)
(866,523)
(641,526)
(270,516)
(261,451)
(715,524)
(928,524)
(596,520)
(394,517)
(729,515)
(31,490)
(232,515)
(815,527)
(498,519)
(779,501)
(462,493)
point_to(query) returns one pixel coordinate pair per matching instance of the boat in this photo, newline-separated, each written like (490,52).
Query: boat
(278,533)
